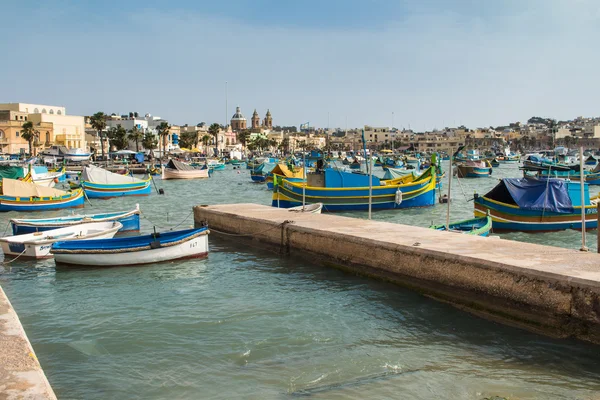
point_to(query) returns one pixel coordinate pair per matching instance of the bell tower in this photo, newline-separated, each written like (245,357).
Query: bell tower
(255,120)
(268,120)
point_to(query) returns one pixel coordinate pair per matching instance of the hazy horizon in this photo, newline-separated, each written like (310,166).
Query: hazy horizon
(431,63)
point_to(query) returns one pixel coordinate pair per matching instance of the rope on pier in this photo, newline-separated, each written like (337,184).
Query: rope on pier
(281,225)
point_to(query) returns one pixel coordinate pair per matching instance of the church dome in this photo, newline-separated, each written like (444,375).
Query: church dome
(238,115)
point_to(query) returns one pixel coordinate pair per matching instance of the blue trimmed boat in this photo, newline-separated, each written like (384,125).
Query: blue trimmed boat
(100,183)
(341,190)
(591,178)
(474,169)
(146,249)
(475,226)
(129,219)
(27,196)
(536,205)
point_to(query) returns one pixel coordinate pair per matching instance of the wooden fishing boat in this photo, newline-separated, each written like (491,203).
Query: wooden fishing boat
(474,169)
(156,247)
(475,226)
(178,170)
(129,219)
(27,196)
(355,164)
(38,244)
(591,160)
(495,163)
(591,178)
(215,165)
(530,204)
(308,208)
(47,178)
(283,170)
(100,183)
(342,190)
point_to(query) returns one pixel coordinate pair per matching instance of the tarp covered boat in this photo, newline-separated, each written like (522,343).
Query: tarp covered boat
(475,226)
(529,204)
(100,183)
(145,249)
(178,170)
(27,196)
(283,170)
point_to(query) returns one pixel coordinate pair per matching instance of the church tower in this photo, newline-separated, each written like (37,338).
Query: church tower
(255,120)
(268,122)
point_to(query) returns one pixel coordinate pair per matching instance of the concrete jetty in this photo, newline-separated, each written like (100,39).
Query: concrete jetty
(546,289)
(21,376)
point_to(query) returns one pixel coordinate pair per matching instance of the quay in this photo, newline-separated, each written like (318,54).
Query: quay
(21,376)
(549,290)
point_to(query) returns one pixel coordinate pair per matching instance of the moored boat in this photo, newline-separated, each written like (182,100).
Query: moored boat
(130,221)
(156,247)
(474,169)
(100,183)
(27,196)
(38,244)
(530,204)
(308,208)
(480,226)
(178,170)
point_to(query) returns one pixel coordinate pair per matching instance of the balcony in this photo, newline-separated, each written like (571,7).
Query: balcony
(3,140)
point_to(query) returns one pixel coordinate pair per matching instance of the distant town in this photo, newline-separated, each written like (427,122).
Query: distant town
(44,126)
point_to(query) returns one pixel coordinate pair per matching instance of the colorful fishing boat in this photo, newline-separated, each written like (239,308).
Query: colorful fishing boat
(100,183)
(354,164)
(530,204)
(475,226)
(130,221)
(178,170)
(27,196)
(283,170)
(591,178)
(38,244)
(591,160)
(156,247)
(341,190)
(259,174)
(215,165)
(474,169)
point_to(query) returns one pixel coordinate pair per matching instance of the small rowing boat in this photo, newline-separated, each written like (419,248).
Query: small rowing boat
(156,247)
(475,226)
(308,208)
(38,244)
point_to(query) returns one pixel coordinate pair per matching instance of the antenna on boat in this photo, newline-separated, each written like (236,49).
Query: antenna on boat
(583,209)
(370,170)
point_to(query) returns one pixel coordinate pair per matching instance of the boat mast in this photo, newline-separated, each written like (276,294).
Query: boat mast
(448,196)
(370,170)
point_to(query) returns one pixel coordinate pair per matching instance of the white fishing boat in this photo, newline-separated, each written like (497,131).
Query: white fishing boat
(308,208)
(38,244)
(63,153)
(156,247)
(77,155)
(178,170)
(48,179)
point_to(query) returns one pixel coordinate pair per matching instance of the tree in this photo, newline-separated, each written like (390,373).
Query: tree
(284,146)
(29,133)
(135,135)
(205,141)
(163,132)
(213,130)
(117,137)
(189,139)
(149,142)
(243,137)
(98,122)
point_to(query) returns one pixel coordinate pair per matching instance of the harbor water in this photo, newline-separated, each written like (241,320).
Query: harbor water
(247,323)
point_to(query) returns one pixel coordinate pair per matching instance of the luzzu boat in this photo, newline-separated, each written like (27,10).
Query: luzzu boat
(474,169)
(259,173)
(27,196)
(100,183)
(283,170)
(591,177)
(340,190)
(530,204)
(480,226)
(129,219)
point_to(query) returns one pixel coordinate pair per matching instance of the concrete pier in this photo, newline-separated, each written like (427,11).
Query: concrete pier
(549,290)
(21,376)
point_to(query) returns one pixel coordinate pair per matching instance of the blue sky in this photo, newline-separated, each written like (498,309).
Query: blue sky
(432,63)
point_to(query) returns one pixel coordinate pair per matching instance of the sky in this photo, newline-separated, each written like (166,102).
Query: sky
(422,64)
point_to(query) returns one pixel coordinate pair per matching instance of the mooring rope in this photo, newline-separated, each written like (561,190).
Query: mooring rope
(14,259)
(254,233)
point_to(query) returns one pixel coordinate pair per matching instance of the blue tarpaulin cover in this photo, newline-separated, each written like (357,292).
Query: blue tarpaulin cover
(540,194)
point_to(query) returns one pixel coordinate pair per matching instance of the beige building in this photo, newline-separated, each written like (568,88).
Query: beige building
(68,130)
(11,126)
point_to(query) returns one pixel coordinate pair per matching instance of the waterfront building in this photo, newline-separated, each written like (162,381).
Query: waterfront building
(67,130)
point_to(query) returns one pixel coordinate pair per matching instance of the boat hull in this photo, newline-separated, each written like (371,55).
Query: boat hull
(506,217)
(473,172)
(196,247)
(99,190)
(475,227)
(168,173)
(71,200)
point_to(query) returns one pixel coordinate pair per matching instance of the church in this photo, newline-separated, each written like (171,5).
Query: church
(239,122)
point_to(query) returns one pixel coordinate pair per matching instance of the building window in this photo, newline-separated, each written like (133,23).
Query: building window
(59,112)
(36,111)
(51,111)
(17,133)
(43,111)
(47,137)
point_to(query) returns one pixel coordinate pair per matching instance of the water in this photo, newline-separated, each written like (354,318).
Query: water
(245,323)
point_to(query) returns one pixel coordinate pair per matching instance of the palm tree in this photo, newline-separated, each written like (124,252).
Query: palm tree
(29,133)
(163,132)
(213,130)
(149,141)
(205,142)
(98,122)
(135,135)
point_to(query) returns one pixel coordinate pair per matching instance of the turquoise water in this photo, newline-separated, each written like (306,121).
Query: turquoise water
(246,323)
